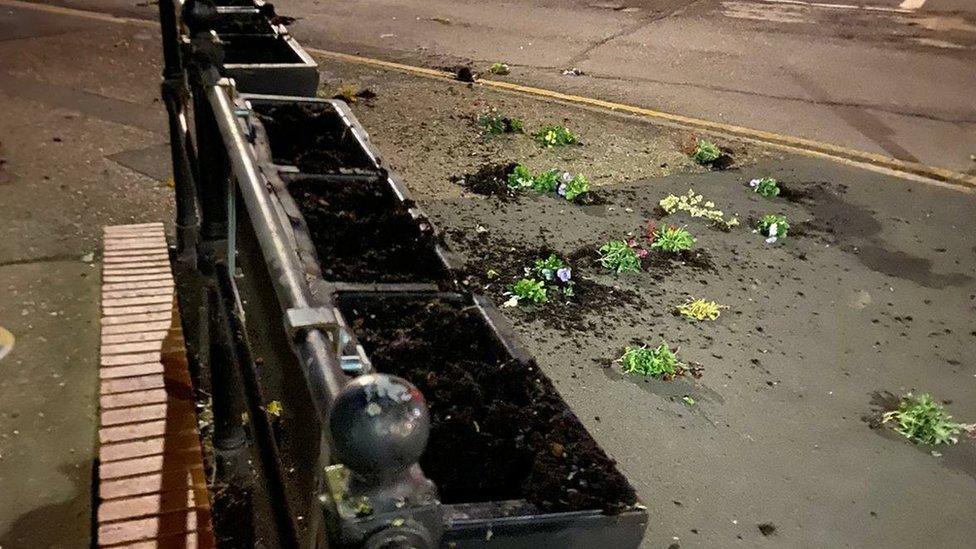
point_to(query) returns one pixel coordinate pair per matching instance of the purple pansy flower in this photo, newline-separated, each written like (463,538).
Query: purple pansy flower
(564,274)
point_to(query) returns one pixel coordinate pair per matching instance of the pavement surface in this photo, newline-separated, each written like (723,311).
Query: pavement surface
(81,143)
(893,77)
(78,99)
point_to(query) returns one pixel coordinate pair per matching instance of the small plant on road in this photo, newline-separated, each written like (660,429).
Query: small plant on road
(705,152)
(496,124)
(547,181)
(765,186)
(555,136)
(573,187)
(555,272)
(529,289)
(700,310)
(499,68)
(659,361)
(672,239)
(773,227)
(619,257)
(695,205)
(924,421)
(520,177)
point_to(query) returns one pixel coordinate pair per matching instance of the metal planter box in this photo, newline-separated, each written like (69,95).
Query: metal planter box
(275,65)
(345,158)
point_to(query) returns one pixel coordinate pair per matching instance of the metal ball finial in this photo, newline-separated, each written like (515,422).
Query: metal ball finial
(379,425)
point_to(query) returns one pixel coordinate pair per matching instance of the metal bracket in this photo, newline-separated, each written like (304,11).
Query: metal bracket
(351,356)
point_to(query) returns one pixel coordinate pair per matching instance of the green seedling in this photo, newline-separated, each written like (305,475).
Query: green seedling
(576,187)
(520,177)
(700,309)
(555,136)
(496,124)
(773,227)
(491,274)
(499,68)
(547,181)
(619,257)
(672,239)
(705,152)
(657,362)
(765,186)
(530,289)
(924,421)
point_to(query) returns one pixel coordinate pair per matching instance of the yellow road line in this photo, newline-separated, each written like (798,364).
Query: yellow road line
(876,162)
(915,171)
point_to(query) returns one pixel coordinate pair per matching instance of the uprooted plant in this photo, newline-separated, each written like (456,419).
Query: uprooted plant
(571,187)
(700,309)
(660,361)
(494,123)
(555,136)
(499,69)
(621,256)
(695,205)
(765,186)
(527,289)
(672,239)
(705,152)
(773,227)
(924,421)
(555,272)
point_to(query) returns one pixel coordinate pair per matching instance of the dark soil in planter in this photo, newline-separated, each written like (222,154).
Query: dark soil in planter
(245,23)
(499,429)
(247,49)
(312,138)
(363,233)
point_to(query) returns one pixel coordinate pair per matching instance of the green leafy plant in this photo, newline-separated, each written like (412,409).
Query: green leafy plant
(924,421)
(619,257)
(773,226)
(705,152)
(765,186)
(520,177)
(547,181)
(530,289)
(555,136)
(574,188)
(672,239)
(695,205)
(497,124)
(499,68)
(700,309)
(547,268)
(659,361)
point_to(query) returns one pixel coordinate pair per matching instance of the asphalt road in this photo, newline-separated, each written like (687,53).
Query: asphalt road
(894,77)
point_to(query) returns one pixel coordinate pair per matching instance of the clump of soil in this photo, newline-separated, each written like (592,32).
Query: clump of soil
(363,233)
(767,528)
(311,137)
(561,312)
(499,429)
(489,180)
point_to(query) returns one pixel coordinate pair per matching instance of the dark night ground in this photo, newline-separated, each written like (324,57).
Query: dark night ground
(876,296)
(820,328)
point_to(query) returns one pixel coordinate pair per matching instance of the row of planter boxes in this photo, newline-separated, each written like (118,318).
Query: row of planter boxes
(513,465)
(509,458)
